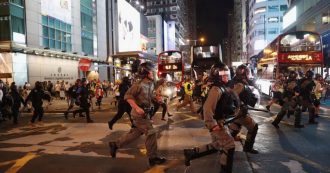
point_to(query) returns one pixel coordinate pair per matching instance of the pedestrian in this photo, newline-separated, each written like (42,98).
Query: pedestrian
(160,89)
(188,92)
(83,95)
(72,97)
(98,95)
(1,96)
(277,90)
(217,107)
(140,96)
(36,96)
(123,105)
(17,101)
(241,87)
(318,93)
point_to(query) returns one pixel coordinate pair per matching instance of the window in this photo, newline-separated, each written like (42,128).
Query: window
(87,33)
(45,20)
(18,2)
(56,34)
(273,8)
(17,25)
(272,30)
(325,18)
(283,7)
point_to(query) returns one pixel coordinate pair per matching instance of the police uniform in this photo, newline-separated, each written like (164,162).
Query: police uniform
(221,139)
(290,101)
(245,120)
(215,109)
(142,93)
(307,96)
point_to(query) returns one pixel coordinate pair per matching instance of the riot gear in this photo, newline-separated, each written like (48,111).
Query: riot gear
(144,69)
(217,71)
(309,74)
(242,71)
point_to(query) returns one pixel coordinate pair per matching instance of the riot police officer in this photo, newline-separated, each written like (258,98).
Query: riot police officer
(140,97)
(290,101)
(215,109)
(307,96)
(36,96)
(241,86)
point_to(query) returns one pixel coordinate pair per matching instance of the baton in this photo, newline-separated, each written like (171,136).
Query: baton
(255,109)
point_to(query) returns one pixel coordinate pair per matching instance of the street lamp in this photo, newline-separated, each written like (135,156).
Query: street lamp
(195,41)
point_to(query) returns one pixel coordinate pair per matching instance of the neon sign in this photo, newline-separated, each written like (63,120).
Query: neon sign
(300,57)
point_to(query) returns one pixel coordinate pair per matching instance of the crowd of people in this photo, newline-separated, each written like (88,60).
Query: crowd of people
(220,97)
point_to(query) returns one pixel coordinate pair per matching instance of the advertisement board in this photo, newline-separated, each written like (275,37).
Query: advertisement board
(59,9)
(129,38)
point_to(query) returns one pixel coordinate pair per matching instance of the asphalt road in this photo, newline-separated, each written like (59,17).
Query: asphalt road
(60,145)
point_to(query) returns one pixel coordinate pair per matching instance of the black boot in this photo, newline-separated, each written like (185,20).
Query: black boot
(248,146)
(156,161)
(275,125)
(189,154)
(229,164)
(110,124)
(194,153)
(113,149)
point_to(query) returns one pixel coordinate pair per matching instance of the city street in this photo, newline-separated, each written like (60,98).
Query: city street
(60,145)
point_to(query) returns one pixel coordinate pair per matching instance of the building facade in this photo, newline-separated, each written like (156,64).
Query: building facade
(264,23)
(44,39)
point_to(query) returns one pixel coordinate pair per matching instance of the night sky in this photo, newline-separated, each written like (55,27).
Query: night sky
(211,19)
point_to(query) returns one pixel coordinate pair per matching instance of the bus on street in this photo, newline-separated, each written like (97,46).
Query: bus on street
(299,51)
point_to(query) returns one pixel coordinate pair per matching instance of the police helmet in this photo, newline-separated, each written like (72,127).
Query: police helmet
(126,80)
(242,71)
(217,71)
(293,75)
(309,74)
(144,69)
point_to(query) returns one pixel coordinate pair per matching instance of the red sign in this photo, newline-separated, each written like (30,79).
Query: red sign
(84,64)
(314,57)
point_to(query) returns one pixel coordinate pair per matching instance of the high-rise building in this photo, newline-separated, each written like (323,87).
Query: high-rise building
(264,23)
(43,40)
(172,10)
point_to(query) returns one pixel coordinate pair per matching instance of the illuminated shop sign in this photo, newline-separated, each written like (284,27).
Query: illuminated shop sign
(300,57)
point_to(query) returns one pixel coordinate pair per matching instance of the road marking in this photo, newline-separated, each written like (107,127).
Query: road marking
(19,163)
(307,161)
(189,117)
(163,168)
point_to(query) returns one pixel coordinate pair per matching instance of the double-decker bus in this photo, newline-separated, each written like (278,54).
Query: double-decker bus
(171,66)
(203,57)
(299,51)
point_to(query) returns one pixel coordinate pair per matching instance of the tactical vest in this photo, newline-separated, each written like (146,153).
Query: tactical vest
(225,105)
(188,90)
